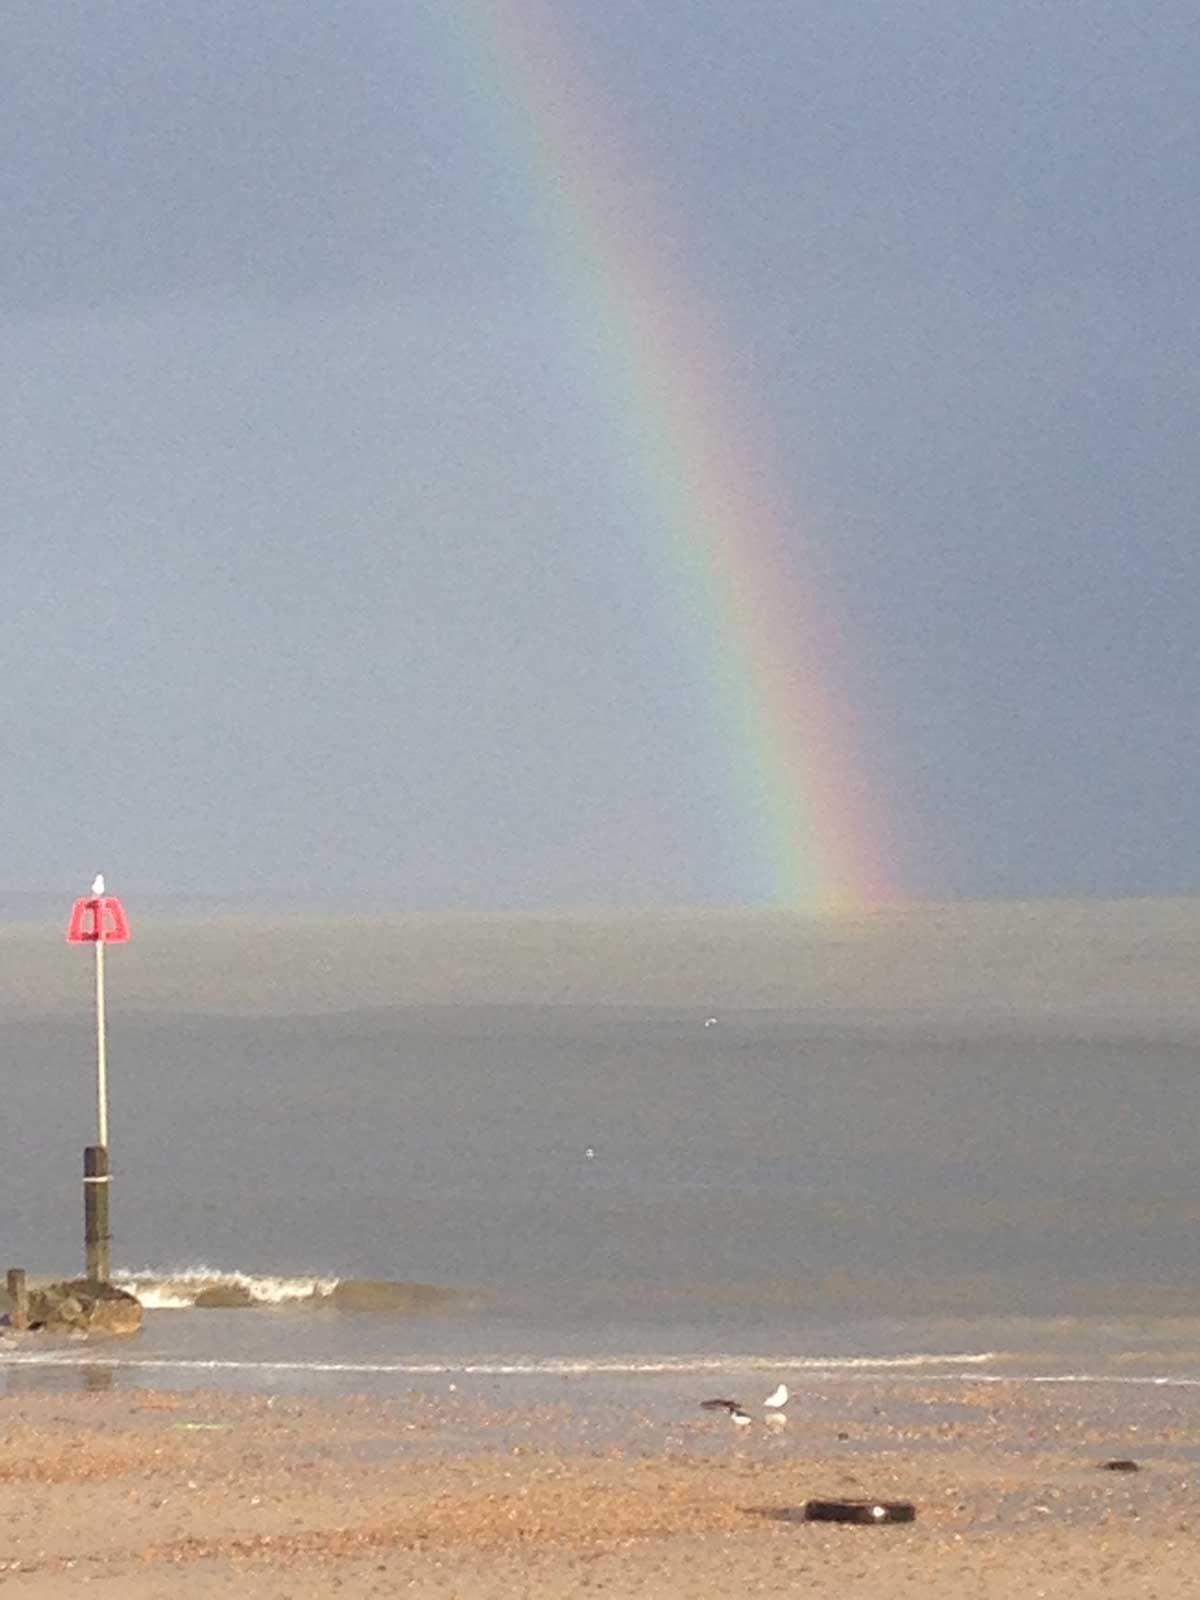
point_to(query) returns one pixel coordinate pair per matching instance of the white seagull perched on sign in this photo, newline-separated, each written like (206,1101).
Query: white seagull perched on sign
(98,883)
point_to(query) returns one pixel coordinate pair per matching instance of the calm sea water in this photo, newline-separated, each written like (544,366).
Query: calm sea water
(985,1146)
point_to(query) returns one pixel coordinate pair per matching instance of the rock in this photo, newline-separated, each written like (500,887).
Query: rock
(80,1306)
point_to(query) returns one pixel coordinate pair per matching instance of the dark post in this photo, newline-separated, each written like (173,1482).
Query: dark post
(18,1297)
(97,1239)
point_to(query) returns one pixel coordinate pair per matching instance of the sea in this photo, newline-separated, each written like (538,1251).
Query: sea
(362,1150)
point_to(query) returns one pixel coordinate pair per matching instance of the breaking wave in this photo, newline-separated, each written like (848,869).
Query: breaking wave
(212,1288)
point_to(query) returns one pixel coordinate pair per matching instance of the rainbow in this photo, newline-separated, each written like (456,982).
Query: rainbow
(722,540)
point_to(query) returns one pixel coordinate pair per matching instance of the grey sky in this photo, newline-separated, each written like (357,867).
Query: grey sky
(319,559)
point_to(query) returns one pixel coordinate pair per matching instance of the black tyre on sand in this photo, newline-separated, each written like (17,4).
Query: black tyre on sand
(870,1512)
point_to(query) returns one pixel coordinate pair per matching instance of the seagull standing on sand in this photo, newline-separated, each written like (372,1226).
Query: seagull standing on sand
(773,1405)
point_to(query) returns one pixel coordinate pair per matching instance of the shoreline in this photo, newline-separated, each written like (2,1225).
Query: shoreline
(327,1352)
(478,1495)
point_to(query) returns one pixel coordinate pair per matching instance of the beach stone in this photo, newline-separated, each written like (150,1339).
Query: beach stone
(81,1306)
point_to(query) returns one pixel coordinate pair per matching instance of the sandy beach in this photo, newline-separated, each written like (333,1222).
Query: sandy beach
(145,1493)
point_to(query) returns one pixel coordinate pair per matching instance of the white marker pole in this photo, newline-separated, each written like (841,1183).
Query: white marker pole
(101,1048)
(101,1040)
(97,1237)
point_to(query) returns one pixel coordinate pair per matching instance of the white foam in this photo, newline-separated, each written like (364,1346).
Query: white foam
(857,1371)
(924,1359)
(551,1367)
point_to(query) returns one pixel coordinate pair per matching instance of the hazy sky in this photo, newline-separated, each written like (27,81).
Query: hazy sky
(322,565)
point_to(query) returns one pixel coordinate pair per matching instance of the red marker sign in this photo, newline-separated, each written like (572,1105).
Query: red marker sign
(99,919)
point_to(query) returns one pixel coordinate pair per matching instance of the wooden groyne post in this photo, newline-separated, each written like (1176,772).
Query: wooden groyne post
(18,1300)
(97,1232)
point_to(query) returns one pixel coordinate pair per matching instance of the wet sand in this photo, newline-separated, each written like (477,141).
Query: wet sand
(146,1493)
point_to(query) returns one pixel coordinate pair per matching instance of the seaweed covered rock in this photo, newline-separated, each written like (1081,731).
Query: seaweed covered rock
(81,1305)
